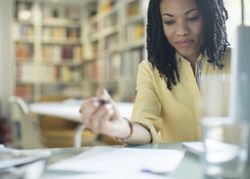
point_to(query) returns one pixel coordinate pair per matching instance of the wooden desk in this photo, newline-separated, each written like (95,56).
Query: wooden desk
(69,110)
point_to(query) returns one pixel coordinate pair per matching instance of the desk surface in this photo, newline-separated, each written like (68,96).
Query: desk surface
(189,167)
(69,109)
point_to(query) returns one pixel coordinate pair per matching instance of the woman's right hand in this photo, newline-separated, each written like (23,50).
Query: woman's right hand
(100,114)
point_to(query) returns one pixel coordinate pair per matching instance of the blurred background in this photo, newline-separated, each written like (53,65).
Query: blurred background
(53,50)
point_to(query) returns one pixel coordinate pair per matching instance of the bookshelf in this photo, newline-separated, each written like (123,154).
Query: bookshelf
(48,48)
(72,49)
(117,36)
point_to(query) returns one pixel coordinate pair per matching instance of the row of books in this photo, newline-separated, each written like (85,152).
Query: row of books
(111,41)
(114,66)
(25,91)
(23,30)
(111,20)
(131,61)
(24,51)
(50,11)
(133,8)
(61,33)
(135,32)
(91,71)
(65,53)
(30,73)
(106,5)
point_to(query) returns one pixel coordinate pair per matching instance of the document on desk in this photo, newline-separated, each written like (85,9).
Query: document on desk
(194,147)
(114,159)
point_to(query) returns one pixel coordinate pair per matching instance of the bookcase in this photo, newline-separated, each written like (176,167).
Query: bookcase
(48,49)
(117,36)
(73,48)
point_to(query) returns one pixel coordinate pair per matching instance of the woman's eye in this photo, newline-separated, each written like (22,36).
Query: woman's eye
(169,22)
(194,18)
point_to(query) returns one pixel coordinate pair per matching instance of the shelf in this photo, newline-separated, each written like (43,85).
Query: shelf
(61,42)
(109,31)
(129,1)
(95,37)
(24,39)
(49,62)
(24,22)
(60,23)
(111,52)
(20,61)
(135,19)
(137,44)
(52,82)
(58,47)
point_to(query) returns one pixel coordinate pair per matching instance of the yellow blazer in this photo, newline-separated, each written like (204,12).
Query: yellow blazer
(172,115)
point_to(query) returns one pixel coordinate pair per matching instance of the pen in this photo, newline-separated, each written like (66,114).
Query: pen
(145,170)
(102,101)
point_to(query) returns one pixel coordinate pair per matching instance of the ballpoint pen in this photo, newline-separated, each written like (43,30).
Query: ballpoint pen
(150,171)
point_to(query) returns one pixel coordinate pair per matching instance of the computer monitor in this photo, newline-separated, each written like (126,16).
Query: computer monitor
(240,96)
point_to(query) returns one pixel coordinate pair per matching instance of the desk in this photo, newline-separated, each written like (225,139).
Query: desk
(189,168)
(69,110)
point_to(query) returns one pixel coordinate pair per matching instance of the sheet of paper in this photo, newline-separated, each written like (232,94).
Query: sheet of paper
(194,147)
(131,160)
(13,157)
(110,175)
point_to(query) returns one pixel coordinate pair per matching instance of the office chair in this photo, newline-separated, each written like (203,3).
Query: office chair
(26,133)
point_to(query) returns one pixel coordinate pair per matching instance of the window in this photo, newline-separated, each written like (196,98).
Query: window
(234,11)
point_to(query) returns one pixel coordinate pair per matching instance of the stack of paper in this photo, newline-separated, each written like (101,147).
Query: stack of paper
(121,161)
(22,163)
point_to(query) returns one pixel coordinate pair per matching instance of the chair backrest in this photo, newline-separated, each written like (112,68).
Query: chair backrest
(26,129)
(20,103)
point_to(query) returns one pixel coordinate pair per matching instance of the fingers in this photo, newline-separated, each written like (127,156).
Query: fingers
(96,113)
(99,120)
(103,94)
(88,108)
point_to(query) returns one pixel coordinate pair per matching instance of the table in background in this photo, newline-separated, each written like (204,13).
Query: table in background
(69,110)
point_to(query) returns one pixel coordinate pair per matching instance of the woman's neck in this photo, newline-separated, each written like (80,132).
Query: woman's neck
(192,59)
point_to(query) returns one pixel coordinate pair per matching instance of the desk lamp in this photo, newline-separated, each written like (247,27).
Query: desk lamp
(240,93)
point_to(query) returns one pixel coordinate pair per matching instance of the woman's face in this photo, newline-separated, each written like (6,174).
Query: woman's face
(182,25)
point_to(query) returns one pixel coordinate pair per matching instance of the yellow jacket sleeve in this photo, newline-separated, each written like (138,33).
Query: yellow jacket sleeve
(147,107)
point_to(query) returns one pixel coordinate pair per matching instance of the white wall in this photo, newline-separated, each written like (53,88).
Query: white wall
(5,56)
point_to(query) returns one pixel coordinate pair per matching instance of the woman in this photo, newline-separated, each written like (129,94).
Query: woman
(185,38)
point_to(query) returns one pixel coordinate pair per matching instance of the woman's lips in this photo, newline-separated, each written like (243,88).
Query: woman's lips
(184,43)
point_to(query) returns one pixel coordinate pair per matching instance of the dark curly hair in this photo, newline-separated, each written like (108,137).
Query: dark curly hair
(162,55)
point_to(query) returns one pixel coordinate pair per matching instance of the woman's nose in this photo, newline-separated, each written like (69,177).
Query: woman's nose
(182,29)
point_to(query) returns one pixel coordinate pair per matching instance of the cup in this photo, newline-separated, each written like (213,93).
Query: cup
(225,141)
